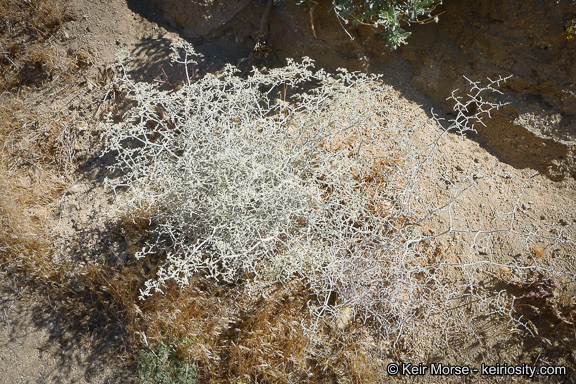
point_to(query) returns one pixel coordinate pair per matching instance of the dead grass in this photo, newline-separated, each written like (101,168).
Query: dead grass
(27,53)
(35,161)
(29,187)
(234,337)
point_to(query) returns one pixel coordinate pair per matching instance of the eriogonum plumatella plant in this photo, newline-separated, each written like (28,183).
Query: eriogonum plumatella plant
(292,172)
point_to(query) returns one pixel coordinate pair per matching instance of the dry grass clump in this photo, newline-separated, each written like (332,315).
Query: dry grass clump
(39,19)
(27,55)
(29,185)
(37,137)
(235,335)
(38,143)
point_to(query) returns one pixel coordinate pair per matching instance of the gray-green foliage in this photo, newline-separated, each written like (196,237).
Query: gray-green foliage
(164,364)
(389,16)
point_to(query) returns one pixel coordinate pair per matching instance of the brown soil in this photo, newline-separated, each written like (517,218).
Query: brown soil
(40,345)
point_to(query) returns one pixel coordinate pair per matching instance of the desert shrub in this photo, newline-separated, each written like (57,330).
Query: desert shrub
(389,16)
(242,184)
(296,173)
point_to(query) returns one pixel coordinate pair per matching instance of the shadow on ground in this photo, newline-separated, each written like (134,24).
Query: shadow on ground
(41,344)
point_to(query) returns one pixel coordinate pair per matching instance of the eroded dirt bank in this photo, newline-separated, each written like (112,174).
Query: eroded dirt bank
(523,39)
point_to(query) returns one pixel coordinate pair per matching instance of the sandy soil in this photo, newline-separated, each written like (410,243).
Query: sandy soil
(37,346)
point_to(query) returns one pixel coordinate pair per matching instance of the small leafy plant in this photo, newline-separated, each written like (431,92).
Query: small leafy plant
(389,16)
(164,364)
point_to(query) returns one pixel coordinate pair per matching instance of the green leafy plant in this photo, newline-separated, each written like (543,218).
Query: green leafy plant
(165,363)
(389,16)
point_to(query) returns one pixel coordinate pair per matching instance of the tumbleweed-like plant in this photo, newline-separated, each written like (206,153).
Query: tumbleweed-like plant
(300,174)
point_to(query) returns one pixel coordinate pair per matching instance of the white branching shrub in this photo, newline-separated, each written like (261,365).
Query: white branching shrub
(289,173)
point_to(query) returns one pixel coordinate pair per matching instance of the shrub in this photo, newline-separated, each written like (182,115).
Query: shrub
(165,363)
(295,173)
(389,16)
(240,183)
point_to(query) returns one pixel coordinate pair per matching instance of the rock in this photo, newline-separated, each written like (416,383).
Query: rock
(345,318)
